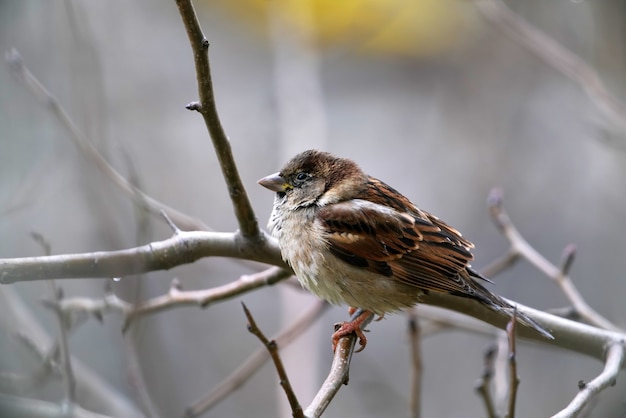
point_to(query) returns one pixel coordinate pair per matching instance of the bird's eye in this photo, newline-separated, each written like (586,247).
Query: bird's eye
(301,176)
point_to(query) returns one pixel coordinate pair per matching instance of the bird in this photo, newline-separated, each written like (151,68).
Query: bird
(352,239)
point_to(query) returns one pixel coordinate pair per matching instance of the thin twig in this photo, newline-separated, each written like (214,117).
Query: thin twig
(250,366)
(86,147)
(200,46)
(15,406)
(520,246)
(499,265)
(483,384)
(63,322)
(175,298)
(69,382)
(91,385)
(614,362)
(272,348)
(415,341)
(512,362)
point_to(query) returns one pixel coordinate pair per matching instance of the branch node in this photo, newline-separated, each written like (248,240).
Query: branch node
(194,106)
(176,285)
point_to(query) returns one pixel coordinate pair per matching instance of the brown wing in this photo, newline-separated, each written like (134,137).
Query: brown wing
(384,232)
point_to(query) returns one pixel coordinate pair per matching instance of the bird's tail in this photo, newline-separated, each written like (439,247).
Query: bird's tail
(494,301)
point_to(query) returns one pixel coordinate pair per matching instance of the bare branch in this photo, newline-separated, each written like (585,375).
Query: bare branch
(614,362)
(255,361)
(89,384)
(339,373)
(570,335)
(85,146)
(175,298)
(483,384)
(555,55)
(520,246)
(14,406)
(200,46)
(64,350)
(182,248)
(272,348)
(512,360)
(499,265)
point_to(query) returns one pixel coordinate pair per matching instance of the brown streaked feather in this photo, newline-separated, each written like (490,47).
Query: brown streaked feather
(382,231)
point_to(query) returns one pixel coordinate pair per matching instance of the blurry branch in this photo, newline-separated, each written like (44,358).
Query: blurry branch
(608,377)
(187,246)
(63,322)
(272,349)
(88,384)
(144,232)
(203,298)
(512,361)
(255,361)
(555,55)
(415,340)
(483,385)
(183,247)
(175,298)
(488,382)
(338,375)
(521,248)
(69,382)
(90,152)
(206,106)
(14,406)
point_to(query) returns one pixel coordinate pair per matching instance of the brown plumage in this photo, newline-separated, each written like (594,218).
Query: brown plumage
(351,238)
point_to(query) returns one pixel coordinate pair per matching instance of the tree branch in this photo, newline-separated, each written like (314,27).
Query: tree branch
(511,328)
(272,348)
(182,248)
(555,55)
(483,385)
(200,46)
(614,362)
(339,373)
(520,246)
(91,153)
(255,361)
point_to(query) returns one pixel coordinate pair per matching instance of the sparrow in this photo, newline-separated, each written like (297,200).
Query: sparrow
(352,239)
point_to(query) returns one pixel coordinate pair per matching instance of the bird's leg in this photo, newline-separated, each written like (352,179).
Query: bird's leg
(354,325)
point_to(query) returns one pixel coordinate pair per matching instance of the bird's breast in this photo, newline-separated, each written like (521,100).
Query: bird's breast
(303,245)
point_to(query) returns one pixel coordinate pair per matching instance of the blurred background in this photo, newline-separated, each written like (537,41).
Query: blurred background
(429,96)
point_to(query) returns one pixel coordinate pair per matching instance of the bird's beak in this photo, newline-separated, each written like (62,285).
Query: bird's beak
(275,182)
